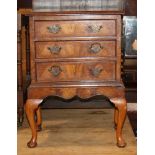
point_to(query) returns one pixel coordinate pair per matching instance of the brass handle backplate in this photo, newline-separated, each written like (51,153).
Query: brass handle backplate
(94,28)
(55,70)
(96,71)
(54,28)
(95,48)
(54,49)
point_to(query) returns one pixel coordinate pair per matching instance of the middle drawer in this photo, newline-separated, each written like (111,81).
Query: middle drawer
(70,49)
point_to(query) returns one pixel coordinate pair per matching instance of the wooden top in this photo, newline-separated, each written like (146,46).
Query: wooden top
(29,12)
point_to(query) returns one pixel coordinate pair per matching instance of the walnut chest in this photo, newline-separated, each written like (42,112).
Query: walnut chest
(75,54)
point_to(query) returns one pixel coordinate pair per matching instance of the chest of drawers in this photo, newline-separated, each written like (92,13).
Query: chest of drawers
(75,55)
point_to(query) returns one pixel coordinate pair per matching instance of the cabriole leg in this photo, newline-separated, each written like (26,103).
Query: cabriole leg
(39,119)
(121,106)
(31,107)
(115,118)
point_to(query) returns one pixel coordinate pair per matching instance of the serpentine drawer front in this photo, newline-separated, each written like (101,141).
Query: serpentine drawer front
(75,55)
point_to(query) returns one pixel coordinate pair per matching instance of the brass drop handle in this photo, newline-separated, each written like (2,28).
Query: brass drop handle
(55,70)
(54,49)
(96,71)
(95,48)
(94,28)
(54,28)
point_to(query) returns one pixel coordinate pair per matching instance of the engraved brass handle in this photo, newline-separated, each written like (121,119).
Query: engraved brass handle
(54,28)
(94,28)
(95,48)
(55,70)
(54,49)
(96,71)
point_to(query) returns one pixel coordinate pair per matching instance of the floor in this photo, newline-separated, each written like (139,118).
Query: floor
(132,115)
(77,132)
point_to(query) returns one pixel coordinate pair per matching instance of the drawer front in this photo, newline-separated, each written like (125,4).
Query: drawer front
(75,71)
(72,49)
(49,29)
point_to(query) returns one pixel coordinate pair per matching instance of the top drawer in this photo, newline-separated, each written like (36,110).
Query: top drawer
(80,28)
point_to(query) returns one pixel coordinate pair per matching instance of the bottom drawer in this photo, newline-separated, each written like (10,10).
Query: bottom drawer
(71,71)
